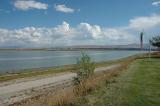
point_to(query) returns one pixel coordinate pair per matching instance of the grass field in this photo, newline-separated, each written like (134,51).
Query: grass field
(139,85)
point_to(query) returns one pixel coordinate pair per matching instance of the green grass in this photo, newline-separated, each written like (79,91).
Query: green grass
(139,85)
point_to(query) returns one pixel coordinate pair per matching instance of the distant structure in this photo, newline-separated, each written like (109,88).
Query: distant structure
(141,40)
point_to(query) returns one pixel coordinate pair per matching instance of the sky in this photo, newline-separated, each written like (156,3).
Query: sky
(50,23)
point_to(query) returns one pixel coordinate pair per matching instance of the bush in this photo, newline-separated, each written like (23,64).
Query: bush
(84,68)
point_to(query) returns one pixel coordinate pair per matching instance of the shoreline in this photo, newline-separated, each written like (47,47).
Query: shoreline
(33,69)
(57,69)
(81,49)
(24,70)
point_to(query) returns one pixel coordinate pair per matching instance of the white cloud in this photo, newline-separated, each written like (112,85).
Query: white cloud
(89,31)
(29,4)
(146,22)
(156,3)
(63,8)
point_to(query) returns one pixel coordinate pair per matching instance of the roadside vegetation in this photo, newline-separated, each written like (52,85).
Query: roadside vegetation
(84,69)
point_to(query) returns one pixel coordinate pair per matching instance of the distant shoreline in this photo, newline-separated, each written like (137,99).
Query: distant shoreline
(71,49)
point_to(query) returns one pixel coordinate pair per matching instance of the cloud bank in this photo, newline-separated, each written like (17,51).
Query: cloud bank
(82,34)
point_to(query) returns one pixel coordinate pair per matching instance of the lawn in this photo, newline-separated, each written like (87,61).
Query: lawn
(139,85)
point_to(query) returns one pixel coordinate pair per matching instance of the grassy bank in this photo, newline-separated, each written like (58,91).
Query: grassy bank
(139,85)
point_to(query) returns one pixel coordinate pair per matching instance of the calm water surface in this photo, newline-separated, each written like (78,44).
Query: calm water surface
(11,61)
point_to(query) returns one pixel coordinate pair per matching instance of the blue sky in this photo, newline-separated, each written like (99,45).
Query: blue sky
(102,22)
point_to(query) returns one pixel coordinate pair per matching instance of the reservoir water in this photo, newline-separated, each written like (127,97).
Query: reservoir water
(12,61)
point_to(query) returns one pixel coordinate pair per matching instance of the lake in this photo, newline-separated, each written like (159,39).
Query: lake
(12,61)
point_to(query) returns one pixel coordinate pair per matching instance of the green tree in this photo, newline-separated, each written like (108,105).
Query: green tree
(84,68)
(155,41)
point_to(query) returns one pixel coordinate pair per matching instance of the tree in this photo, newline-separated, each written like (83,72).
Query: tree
(84,68)
(155,41)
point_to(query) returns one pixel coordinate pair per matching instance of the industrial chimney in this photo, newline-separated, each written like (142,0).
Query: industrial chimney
(141,40)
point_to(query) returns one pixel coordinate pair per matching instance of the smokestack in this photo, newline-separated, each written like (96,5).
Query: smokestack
(141,40)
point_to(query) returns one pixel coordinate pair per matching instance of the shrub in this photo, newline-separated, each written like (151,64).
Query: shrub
(84,68)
